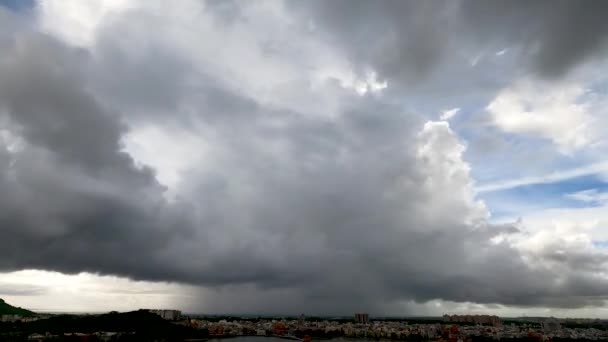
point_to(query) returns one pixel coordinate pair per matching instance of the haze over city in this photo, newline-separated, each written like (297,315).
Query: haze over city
(398,158)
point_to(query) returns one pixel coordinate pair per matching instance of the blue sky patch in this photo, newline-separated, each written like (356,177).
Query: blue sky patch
(517,201)
(17,5)
(601,243)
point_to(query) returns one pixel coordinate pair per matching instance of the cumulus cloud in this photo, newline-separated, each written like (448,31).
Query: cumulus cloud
(294,183)
(559,112)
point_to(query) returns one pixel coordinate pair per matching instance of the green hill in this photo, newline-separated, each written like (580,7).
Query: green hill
(143,325)
(7,309)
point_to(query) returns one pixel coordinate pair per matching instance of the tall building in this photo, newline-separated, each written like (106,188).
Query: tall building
(362,318)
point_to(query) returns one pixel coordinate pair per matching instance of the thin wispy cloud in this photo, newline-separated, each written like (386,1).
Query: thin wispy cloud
(553,177)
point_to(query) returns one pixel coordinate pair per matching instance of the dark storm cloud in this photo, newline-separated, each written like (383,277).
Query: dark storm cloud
(555,35)
(70,196)
(409,40)
(358,211)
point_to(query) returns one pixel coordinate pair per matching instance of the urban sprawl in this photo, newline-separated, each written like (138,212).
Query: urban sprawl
(449,328)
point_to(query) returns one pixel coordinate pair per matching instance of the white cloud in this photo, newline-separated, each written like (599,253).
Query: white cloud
(476,59)
(557,111)
(10,141)
(563,240)
(76,21)
(87,292)
(157,147)
(591,220)
(442,152)
(448,114)
(590,195)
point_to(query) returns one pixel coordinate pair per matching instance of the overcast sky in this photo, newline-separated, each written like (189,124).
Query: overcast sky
(325,157)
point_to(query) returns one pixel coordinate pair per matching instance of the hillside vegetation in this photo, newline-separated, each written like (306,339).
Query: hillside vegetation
(7,309)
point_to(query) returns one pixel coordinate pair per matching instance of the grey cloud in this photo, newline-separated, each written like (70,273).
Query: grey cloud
(408,41)
(12,289)
(573,33)
(69,193)
(576,259)
(340,213)
(148,76)
(226,11)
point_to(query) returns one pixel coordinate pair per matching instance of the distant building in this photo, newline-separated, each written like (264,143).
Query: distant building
(301,320)
(475,319)
(172,315)
(550,325)
(10,318)
(216,330)
(362,318)
(279,329)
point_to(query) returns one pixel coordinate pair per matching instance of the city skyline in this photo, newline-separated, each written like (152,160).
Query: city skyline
(18,324)
(398,158)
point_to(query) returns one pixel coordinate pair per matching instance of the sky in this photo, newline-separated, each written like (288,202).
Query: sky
(320,157)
